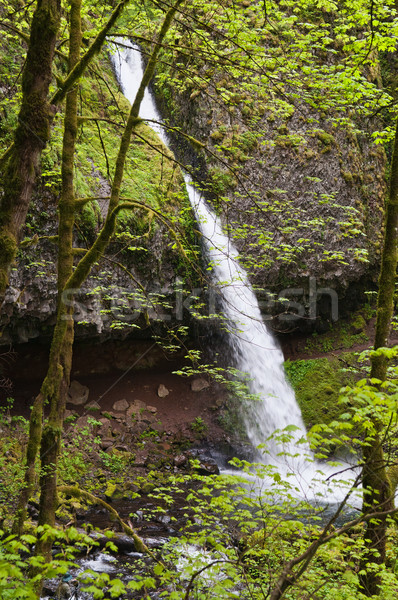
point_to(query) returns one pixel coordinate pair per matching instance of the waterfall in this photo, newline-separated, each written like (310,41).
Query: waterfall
(255,351)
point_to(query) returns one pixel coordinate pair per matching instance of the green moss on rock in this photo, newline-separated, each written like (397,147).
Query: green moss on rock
(326,138)
(317,383)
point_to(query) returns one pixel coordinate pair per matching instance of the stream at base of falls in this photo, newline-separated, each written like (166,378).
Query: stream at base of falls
(172,529)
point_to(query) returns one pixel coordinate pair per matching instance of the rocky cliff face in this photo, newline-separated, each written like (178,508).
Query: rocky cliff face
(302,202)
(131,292)
(300,187)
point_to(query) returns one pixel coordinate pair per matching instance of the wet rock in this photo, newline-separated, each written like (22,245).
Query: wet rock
(162,391)
(155,542)
(152,409)
(77,394)
(113,492)
(165,519)
(93,406)
(82,422)
(118,428)
(33,511)
(123,543)
(106,443)
(49,590)
(206,464)
(121,405)
(180,460)
(208,467)
(197,385)
(141,458)
(105,430)
(135,411)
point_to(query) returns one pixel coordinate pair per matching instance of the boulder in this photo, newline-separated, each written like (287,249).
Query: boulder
(77,394)
(207,467)
(180,460)
(93,406)
(82,422)
(162,391)
(121,448)
(135,410)
(206,464)
(107,443)
(105,429)
(197,385)
(118,428)
(121,405)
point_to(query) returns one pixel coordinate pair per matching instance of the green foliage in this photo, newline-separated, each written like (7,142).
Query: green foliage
(12,53)
(75,447)
(12,441)
(199,426)
(115,460)
(289,34)
(221,181)
(366,409)
(238,532)
(333,87)
(345,335)
(17,559)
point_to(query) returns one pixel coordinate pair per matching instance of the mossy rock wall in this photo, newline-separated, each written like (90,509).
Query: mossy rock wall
(317,383)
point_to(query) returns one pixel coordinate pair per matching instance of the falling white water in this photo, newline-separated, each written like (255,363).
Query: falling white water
(255,351)
(127,62)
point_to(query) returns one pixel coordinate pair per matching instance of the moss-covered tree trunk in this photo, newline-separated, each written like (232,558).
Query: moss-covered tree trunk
(31,134)
(55,385)
(377,489)
(62,344)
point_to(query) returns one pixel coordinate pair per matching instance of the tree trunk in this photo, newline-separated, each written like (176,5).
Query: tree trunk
(56,383)
(32,132)
(378,495)
(61,355)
